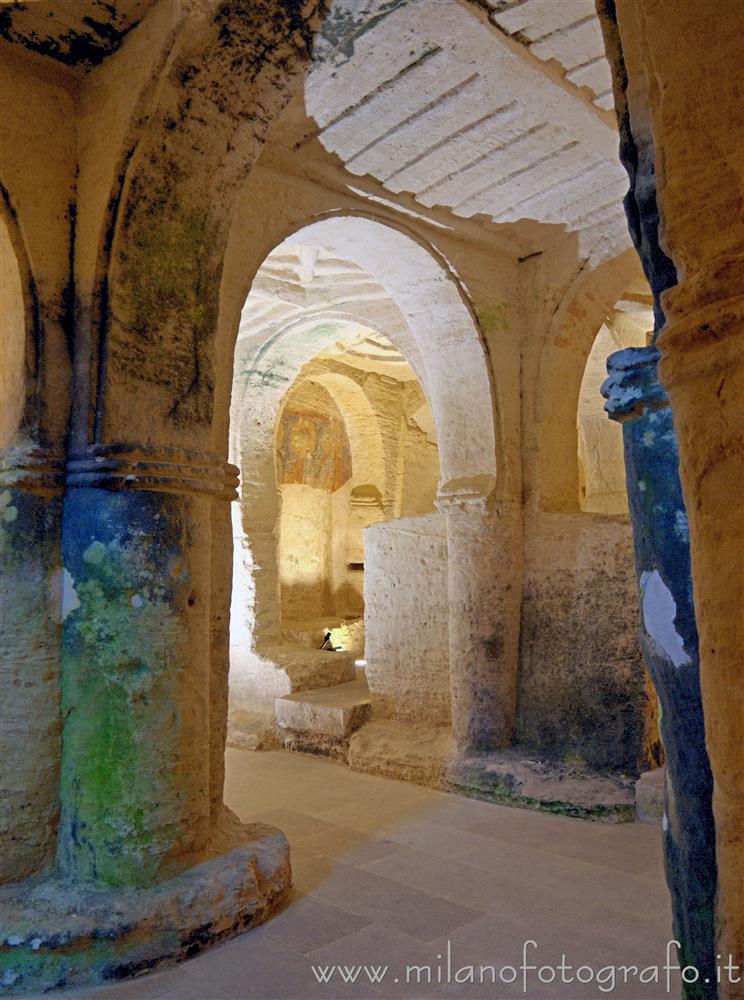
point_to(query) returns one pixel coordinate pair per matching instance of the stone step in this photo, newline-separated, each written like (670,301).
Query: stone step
(333,711)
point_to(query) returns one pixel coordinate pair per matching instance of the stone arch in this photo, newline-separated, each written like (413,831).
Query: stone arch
(264,373)
(570,338)
(440,338)
(600,441)
(432,327)
(170,226)
(601,451)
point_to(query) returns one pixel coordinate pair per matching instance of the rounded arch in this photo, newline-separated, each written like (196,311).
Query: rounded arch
(569,342)
(432,326)
(158,268)
(440,338)
(600,440)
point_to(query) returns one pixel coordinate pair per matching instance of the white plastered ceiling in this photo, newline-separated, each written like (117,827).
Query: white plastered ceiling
(498,109)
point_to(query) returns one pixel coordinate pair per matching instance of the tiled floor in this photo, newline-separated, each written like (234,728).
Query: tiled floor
(389,874)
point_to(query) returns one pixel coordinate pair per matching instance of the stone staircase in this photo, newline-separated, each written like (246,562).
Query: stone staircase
(328,714)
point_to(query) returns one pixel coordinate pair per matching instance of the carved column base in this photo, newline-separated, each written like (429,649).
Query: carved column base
(56,934)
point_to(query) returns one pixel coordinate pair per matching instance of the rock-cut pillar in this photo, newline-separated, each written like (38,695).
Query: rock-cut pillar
(150,865)
(669,641)
(135,773)
(484,569)
(31,592)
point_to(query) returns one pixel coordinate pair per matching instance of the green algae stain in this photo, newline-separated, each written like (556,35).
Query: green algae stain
(118,668)
(95,553)
(171,248)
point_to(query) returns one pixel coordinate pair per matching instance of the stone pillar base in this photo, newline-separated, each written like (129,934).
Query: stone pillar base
(513,778)
(55,934)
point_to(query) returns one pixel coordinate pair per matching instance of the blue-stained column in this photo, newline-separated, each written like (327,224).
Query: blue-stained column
(669,642)
(669,636)
(136,686)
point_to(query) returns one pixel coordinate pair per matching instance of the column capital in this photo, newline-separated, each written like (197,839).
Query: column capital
(153,468)
(32,469)
(632,385)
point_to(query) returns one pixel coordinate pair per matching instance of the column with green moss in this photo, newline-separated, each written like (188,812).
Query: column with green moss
(135,775)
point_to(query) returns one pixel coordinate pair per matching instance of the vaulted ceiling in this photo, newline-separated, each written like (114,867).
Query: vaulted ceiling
(299,282)
(498,109)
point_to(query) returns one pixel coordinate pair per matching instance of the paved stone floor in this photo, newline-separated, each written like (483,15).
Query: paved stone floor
(389,874)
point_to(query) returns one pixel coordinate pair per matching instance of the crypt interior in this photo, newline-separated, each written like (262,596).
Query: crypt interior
(371,496)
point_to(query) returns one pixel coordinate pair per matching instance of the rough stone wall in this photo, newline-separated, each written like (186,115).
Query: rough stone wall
(601,460)
(346,599)
(420,471)
(582,693)
(407,618)
(305,570)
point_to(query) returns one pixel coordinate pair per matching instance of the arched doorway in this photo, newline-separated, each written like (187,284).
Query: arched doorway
(355,446)
(360,393)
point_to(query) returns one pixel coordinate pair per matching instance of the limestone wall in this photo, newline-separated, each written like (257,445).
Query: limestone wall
(305,552)
(420,472)
(407,618)
(582,692)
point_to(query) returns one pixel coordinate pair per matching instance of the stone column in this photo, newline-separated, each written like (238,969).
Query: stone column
(31,586)
(669,641)
(151,866)
(690,66)
(703,369)
(484,549)
(655,493)
(136,759)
